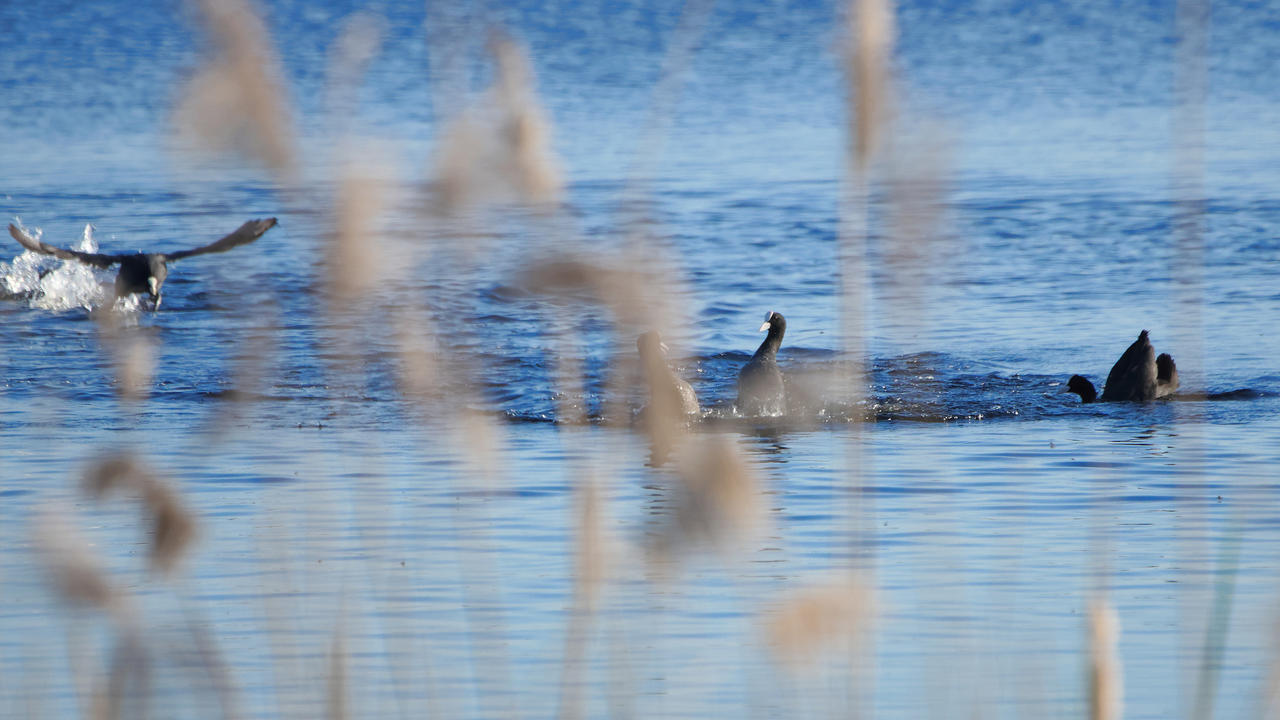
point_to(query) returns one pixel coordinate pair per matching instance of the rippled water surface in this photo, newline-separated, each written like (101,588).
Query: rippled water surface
(437,498)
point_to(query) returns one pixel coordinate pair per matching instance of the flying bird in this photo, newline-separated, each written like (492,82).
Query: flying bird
(145,272)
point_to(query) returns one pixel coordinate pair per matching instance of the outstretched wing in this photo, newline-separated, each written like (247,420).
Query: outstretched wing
(34,245)
(243,235)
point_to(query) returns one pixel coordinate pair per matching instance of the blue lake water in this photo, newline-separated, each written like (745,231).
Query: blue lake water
(398,479)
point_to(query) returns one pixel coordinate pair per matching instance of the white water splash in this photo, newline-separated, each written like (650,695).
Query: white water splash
(53,284)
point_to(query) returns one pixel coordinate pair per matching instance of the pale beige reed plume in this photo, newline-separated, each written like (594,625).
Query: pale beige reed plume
(360,254)
(1106,678)
(172,526)
(132,350)
(869,76)
(237,101)
(717,501)
(499,150)
(80,578)
(825,618)
(75,570)
(360,251)
(593,551)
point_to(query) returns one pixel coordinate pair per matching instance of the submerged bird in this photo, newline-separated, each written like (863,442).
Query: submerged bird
(1137,376)
(668,394)
(760,388)
(145,272)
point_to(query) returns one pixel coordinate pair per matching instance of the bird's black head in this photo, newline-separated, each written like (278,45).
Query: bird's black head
(774,323)
(1081,386)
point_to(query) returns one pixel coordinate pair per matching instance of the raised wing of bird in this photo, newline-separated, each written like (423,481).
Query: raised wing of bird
(243,235)
(34,245)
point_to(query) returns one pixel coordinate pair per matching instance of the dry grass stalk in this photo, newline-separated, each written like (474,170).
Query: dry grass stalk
(590,548)
(421,373)
(821,617)
(173,527)
(1269,699)
(365,187)
(633,295)
(589,571)
(356,257)
(872,34)
(336,707)
(500,150)
(75,570)
(481,439)
(636,295)
(237,101)
(718,501)
(128,685)
(1106,681)
(132,350)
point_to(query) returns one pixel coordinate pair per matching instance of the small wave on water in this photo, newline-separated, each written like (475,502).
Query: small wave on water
(57,285)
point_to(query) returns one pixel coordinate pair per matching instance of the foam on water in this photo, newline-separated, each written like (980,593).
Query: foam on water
(51,284)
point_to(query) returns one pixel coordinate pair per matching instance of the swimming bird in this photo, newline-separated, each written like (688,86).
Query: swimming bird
(1139,375)
(760,388)
(668,394)
(145,272)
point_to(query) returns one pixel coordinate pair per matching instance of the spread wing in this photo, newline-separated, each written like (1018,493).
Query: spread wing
(243,235)
(34,245)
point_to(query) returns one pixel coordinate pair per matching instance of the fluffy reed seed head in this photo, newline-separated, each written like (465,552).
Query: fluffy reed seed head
(820,617)
(237,100)
(499,150)
(718,500)
(173,527)
(1106,679)
(74,569)
(871,35)
(358,252)
(132,350)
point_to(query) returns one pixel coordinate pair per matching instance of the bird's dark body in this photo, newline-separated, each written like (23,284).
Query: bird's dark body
(1138,376)
(761,390)
(135,272)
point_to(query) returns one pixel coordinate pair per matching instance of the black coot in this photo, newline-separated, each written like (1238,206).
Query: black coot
(1137,376)
(145,272)
(760,387)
